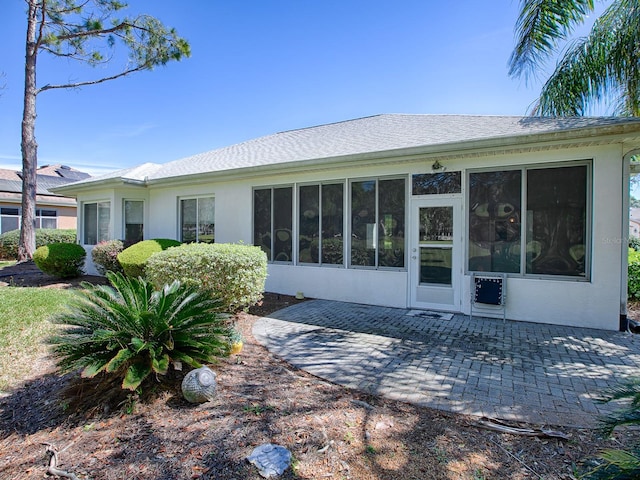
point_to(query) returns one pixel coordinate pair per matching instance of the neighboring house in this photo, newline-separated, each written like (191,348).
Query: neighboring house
(399,210)
(634,222)
(52,210)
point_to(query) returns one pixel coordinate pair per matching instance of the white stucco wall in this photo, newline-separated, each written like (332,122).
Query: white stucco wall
(591,303)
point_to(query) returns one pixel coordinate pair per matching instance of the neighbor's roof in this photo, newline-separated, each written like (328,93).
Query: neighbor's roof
(380,133)
(48,176)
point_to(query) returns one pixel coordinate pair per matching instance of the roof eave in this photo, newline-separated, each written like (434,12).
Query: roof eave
(576,137)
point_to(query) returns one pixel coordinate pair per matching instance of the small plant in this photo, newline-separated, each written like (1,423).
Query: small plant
(134,258)
(235,340)
(614,464)
(131,330)
(105,256)
(349,437)
(371,450)
(62,260)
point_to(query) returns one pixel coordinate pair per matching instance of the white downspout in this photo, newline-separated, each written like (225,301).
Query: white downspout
(624,236)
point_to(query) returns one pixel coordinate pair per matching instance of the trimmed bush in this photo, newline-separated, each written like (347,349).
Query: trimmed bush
(135,333)
(105,256)
(62,260)
(44,236)
(134,258)
(234,274)
(633,279)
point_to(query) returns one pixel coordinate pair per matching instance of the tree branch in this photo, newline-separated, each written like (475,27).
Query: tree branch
(94,82)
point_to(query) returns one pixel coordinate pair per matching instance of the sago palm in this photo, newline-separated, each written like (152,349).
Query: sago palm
(130,330)
(601,67)
(614,464)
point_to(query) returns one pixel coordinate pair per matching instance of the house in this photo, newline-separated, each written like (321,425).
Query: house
(52,210)
(634,222)
(400,210)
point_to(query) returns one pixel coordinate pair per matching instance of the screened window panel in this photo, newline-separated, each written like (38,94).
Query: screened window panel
(309,224)
(557,221)
(262,220)
(48,222)
(189,219)
(206,220)
(90,215)
(133,221)
(436,183)
(363,223)
(104,220)
(333,224)
(8,223)
(494,221)
(282,224)
(391,223)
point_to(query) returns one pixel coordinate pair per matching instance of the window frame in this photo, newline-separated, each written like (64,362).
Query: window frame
(294,232)
(588,225)
(320,186)
(124,218)
(349,221)
(10,215)
(97,203)
(197,228)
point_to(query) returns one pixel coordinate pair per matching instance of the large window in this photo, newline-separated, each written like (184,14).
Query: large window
(273,222)
(97,219)
(547,235)
(197,220)
(133,221)
(46,218)
(378,223)
(321,223)
(9,219)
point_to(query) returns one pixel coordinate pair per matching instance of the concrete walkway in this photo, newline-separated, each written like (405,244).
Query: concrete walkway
(541,374)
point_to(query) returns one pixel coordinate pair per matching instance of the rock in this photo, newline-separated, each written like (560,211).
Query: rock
(199,385)
(270,459)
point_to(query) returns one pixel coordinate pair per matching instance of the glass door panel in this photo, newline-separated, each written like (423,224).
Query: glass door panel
(435,268)
(435,244)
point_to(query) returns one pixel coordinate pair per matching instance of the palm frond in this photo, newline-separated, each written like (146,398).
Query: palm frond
(603,67)
(130,330)
(540,25)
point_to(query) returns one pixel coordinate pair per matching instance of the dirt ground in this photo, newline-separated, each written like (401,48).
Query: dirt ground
(332,432)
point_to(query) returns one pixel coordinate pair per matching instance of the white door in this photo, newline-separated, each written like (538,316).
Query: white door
(436,254)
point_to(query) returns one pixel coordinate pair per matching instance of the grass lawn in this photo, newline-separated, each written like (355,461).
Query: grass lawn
(23,327)
(6,263)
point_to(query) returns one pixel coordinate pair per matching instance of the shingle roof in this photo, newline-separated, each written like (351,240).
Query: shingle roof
(370,134)
(46,177)
(379,133)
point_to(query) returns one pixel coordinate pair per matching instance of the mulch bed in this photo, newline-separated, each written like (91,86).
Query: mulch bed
(332,432)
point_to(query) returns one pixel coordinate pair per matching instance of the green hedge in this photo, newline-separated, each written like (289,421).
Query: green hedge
(233,273)
(44,236)
(134,258)
(62,260)
(634,275)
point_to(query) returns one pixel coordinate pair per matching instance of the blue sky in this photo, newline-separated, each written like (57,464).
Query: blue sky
(263,66)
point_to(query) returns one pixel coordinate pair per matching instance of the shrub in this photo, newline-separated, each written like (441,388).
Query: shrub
(105,256)
(62,260)
(634,275)
(131,330)
(44,236)
(615,463)
(634,242)
(134,258)
(233,273)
